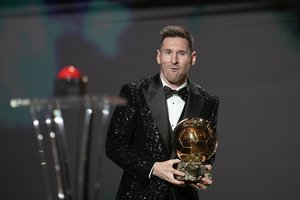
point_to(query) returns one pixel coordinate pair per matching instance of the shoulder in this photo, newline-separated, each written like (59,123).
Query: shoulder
(138,84)
(197,89)
(135,88)
(145,83)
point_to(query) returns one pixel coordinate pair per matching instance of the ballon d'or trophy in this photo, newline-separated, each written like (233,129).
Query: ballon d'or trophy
(194,142)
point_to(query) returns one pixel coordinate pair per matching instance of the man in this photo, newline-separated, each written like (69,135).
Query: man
(139,134)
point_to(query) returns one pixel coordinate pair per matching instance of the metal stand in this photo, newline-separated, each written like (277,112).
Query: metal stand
(66,178)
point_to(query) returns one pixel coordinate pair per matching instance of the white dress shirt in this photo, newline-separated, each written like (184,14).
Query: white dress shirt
(175,105)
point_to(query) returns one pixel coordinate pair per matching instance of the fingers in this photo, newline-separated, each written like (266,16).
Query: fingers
(198,186)
(209,167)
(203,185)
(206,181)
(177,172)
(176,161)
(176,182)
(165,171)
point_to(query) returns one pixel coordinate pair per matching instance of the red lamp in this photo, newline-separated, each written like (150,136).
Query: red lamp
(69,72)
(69,81)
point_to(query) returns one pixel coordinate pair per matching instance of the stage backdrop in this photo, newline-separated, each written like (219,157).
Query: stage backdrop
(248,56)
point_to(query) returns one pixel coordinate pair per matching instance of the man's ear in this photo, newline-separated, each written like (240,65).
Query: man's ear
(193,58)
(158,56)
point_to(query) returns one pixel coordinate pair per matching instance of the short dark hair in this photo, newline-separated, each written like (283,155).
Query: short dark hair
(177,31)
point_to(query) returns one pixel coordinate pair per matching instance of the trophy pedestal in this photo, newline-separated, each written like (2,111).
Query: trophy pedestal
(194,171)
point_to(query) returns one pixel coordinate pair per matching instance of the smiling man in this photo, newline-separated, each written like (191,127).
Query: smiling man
(139,134)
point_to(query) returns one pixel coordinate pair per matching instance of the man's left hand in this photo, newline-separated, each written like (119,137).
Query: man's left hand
(205,182)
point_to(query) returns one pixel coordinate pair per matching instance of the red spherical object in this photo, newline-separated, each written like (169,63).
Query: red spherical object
(69,72)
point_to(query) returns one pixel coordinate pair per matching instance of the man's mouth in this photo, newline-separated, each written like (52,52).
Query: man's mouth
(174,69)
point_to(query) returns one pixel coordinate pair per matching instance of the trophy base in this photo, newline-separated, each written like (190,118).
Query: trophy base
(194,171)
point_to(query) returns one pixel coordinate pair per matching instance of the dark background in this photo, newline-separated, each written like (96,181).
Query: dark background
(248,55)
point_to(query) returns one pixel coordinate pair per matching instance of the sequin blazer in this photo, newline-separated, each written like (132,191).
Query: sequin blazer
(139,135)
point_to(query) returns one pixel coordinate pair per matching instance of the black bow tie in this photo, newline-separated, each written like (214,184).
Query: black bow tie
(182,93)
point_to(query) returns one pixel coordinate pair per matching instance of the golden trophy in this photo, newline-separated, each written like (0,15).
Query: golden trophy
(194,142)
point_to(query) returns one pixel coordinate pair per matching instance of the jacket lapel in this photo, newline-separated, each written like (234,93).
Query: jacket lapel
(194,103)
(155,99)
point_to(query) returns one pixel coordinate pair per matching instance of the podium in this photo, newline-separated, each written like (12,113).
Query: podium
(70,134)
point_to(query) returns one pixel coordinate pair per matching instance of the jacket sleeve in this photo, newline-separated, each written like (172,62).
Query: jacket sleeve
(119,145)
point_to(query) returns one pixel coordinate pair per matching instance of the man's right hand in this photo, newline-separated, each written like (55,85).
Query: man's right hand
(165,171)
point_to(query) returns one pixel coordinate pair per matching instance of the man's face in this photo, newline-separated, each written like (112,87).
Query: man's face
(175,60)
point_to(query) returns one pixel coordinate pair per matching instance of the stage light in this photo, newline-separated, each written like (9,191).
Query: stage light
(70,81)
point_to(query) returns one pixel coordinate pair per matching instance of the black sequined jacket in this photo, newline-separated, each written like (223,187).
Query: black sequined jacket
(139,135)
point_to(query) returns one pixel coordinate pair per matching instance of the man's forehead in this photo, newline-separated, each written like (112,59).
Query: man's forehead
(175,42)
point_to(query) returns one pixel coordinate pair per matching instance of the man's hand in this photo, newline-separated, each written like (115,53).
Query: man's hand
(205,182)
(165,171)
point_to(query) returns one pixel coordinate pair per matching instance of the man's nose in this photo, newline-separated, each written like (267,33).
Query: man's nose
(174,59)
